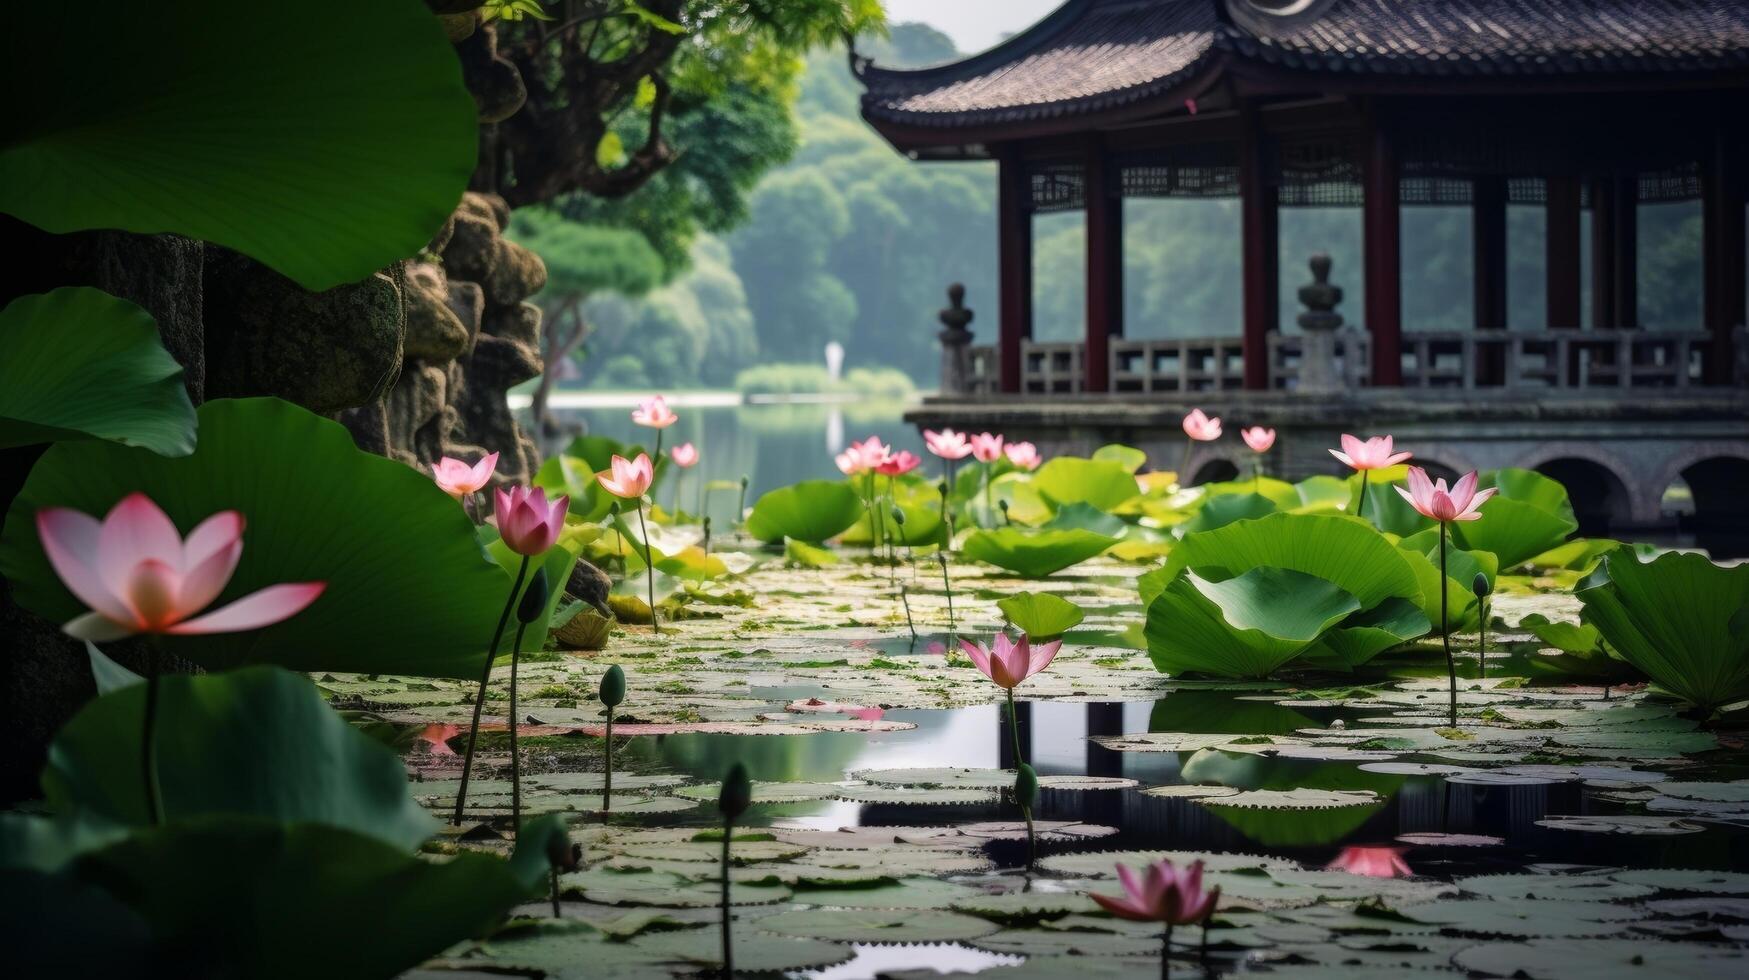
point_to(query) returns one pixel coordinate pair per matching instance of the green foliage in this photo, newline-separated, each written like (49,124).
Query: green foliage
(810,511)
(1129,457)
(1070,479)
(259,898)
(1340,549)
(82,364)
(1680,620)
(797,379)
(582,260)
(1034,553)
(325,153)
(1530,515)
(385,539)
(1249,625)
(556,564)
(808,556)
(572,471)
(256,742)
(1041,615)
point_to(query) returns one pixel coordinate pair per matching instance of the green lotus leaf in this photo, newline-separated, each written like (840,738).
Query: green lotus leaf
(1034,554)
(1579,555)
(260,898)
(1339,549)
(82,364)
(257,742)
(1282,494)
(1530,515)
(808,556)
(558,562)
(1679,620)
(1087,517)
(1249,625)
(1041,615)
(410,591)
(1071,480)
(923,524)
(572,472)
(1225,509)
(1322,493)
(811,511)
(325,152)
(1463,611)
(1385,508)
(1128,457)
(1370,632)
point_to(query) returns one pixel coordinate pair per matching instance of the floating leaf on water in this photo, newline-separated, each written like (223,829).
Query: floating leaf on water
(873,925)
(1104,864)
(754,952)
(764,792)
(1584,888)
(1045,830)
(1191,792)
(1297,799)
(949,796)
(1450,840)
(1600,959)
(906,893)
(1544,918)
(1051,942)
(1684,880)
(1622,824)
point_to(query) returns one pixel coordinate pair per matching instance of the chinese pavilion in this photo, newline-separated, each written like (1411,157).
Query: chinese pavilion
(1578,107)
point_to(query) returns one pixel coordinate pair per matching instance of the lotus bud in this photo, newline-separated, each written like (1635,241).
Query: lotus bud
(1025,786)
(613,508)
(534,598)
(898,516)
(1480,586)
(736,795)
(561,853)
(942,487)
(613,687)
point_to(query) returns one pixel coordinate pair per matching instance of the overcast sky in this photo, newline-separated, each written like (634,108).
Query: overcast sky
(973,24)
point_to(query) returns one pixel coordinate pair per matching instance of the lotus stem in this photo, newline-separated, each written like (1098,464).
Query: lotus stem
(1014,729)
(149,740)
(707,534)
(607,781)
(989,468)
(554,872)
(649,566)
(1184,466)
(1362,505)
(679,478)
(515,749)
(892,546)
(728,948)
(461,795)
(1257,476)
(947,586)
(1166,954)
(1444,631)
(741,505)
(1482,642)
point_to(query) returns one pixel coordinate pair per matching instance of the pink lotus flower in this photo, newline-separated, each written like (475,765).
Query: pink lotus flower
(872,451)
(527,523)
(1164,894)
(1373,454)
(1258,438)
(1012,661)
(629,479)
(1023,454)
(684,455)
(947,444)
(655,413)
(1201,427)
(458,479)
(850,462)
(139,575)
(986,448)
(1432,499)
(899,463)
(1373,861)
(436,738)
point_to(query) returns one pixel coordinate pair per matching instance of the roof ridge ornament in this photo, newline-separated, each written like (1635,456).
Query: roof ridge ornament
(1265,17)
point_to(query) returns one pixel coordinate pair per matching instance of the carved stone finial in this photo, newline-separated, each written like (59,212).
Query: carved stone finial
(1320,321)
(955,337)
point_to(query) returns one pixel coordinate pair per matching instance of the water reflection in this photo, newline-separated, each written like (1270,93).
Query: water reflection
(1373,861)
(1058,738)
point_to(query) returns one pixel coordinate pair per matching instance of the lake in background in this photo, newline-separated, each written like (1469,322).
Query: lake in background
(773,445)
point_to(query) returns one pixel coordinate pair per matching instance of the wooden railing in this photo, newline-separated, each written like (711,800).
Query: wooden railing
(1516,359)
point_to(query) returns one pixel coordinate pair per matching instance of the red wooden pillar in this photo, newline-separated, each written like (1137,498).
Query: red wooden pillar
(1014,266)
(1488,265)
(1104,229)
(1724,262)
(1614,252)
(1561,252)
(1383,242)
(1260,246)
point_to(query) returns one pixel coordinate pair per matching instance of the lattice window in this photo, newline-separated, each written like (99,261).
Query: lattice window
(1056,187)
(1316,173)
(1197,170)
(1681,183)
(1441,191)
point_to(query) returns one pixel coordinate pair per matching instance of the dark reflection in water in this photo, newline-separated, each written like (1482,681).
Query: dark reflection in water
(1057,736)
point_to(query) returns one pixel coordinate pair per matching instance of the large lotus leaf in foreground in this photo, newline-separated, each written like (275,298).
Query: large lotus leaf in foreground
(1041,615)
(258,898)
(1035,554)
(1342,550)
(811,511)
(1248,625)
(410,591)
(327,138)
(1680,619)
(257,742)
(82,364)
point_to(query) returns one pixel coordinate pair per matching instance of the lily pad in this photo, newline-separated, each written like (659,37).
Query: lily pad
(1034,554)
(874,925)
(1600,959)
(810,511)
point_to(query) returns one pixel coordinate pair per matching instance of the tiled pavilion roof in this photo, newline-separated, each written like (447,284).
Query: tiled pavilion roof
(1094,55)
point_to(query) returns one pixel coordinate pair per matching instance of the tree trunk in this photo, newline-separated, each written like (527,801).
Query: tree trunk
(559,345)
